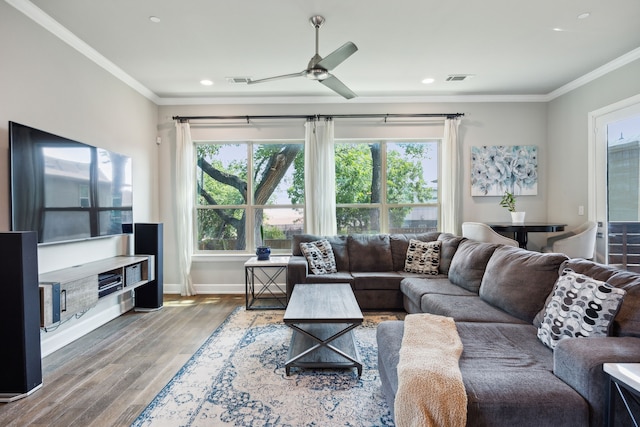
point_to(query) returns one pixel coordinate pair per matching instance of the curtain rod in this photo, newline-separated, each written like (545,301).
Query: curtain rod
(183,119)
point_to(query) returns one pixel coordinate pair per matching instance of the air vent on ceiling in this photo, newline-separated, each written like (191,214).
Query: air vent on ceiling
(458,77)
(238,80)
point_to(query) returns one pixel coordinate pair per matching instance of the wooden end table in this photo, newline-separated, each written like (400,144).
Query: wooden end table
(323,317)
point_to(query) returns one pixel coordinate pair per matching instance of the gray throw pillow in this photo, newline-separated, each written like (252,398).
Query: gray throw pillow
(579,307)
(319,255)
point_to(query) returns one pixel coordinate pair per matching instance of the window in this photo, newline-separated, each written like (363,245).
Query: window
(246,187)
(381,186)
(386,186)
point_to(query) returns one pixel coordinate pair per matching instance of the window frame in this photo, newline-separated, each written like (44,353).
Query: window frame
(384,205)
(250,207)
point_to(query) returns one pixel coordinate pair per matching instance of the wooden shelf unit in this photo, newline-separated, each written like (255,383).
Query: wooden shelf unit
(70,291)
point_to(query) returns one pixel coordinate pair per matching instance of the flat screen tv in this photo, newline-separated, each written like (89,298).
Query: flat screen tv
(67,190)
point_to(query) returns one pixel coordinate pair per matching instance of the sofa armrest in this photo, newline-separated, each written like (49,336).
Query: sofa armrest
(297,271)
(578,362)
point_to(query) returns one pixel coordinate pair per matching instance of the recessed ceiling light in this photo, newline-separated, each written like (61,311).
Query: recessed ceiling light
(206,82)
(428,80)
(584,15)
(557,29)
(154,19)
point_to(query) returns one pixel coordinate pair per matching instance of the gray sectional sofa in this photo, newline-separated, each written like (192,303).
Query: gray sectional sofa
(496,295)
(372,264)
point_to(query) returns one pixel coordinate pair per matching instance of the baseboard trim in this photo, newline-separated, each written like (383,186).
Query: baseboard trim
(231,289)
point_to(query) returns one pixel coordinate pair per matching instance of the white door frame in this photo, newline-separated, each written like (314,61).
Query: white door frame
(597,165)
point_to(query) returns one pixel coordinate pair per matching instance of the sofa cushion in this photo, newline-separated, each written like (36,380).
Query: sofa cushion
(518,281)
(380,280)
(501,364)
(579,307)
(320,257)
(627,321)
(338,246)
(423,257)
(465,309)
(415,288)
(400,244)
(339,277)
(448,249)
(369,252)
(469,263)
(508,375)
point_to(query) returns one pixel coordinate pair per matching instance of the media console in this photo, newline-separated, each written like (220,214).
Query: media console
(72,291)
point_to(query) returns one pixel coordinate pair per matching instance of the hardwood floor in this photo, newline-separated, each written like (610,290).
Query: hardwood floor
(107,377)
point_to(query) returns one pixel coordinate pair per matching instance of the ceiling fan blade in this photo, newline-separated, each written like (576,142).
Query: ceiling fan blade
(336,57)
(337,86)
(284,76)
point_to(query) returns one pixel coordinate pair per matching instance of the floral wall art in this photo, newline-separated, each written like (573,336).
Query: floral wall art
(500,168)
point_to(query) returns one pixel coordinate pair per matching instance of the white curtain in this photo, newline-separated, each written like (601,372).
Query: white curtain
(185,198)
(320,178)
(450,185)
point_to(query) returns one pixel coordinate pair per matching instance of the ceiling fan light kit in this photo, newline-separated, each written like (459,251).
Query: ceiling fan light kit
(319,68)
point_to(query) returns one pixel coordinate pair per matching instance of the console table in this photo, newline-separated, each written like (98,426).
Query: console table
(521,231)
(265,283)
(624,381)
(70,291)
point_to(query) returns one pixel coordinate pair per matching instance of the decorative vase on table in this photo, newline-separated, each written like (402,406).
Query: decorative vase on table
(517,217)
(263,253)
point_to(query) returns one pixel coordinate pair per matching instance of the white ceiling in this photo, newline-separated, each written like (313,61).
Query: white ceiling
(509,46)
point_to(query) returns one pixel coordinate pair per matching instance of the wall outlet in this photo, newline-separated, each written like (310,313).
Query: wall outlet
(580,210)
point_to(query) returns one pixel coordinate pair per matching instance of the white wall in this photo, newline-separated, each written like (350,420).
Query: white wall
(46,84)
(568,136)
(484,124)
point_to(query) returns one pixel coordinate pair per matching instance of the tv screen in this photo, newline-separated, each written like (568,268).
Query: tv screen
(67,190)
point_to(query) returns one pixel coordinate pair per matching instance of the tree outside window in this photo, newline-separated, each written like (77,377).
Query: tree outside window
(381,186)
(242,187)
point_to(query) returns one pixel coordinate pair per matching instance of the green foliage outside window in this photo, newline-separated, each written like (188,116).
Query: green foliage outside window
(278,169)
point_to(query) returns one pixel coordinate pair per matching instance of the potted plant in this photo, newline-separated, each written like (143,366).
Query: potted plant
(509,201)
(263,251)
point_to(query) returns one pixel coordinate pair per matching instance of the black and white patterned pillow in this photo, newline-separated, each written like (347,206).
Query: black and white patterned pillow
(579,307)
(422,257)
(319,255)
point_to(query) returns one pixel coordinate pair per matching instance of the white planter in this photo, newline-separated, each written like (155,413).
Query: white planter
(517,217)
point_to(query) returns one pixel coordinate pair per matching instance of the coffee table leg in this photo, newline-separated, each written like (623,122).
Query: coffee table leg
(320,343)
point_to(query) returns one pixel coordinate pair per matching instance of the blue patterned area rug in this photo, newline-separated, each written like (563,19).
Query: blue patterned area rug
(237,378)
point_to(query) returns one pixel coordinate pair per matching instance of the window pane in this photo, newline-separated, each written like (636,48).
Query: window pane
(221,229)
(279,225)
(413,220)
(222,174)
(279,174)
(358,220)
(412,172)
(358,173)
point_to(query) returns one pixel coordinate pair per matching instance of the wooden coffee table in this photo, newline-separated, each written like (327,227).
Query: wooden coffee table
(323,317)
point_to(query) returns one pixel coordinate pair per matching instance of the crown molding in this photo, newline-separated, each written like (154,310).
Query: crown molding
(53,26)
(597,73)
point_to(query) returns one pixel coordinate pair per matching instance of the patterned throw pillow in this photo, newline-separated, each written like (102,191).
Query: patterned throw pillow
(320,256)
(423,257)
(579,307)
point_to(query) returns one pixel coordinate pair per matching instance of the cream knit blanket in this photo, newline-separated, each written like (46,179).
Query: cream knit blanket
(430,388)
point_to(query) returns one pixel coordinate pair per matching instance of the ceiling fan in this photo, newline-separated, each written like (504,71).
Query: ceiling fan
(319,67)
